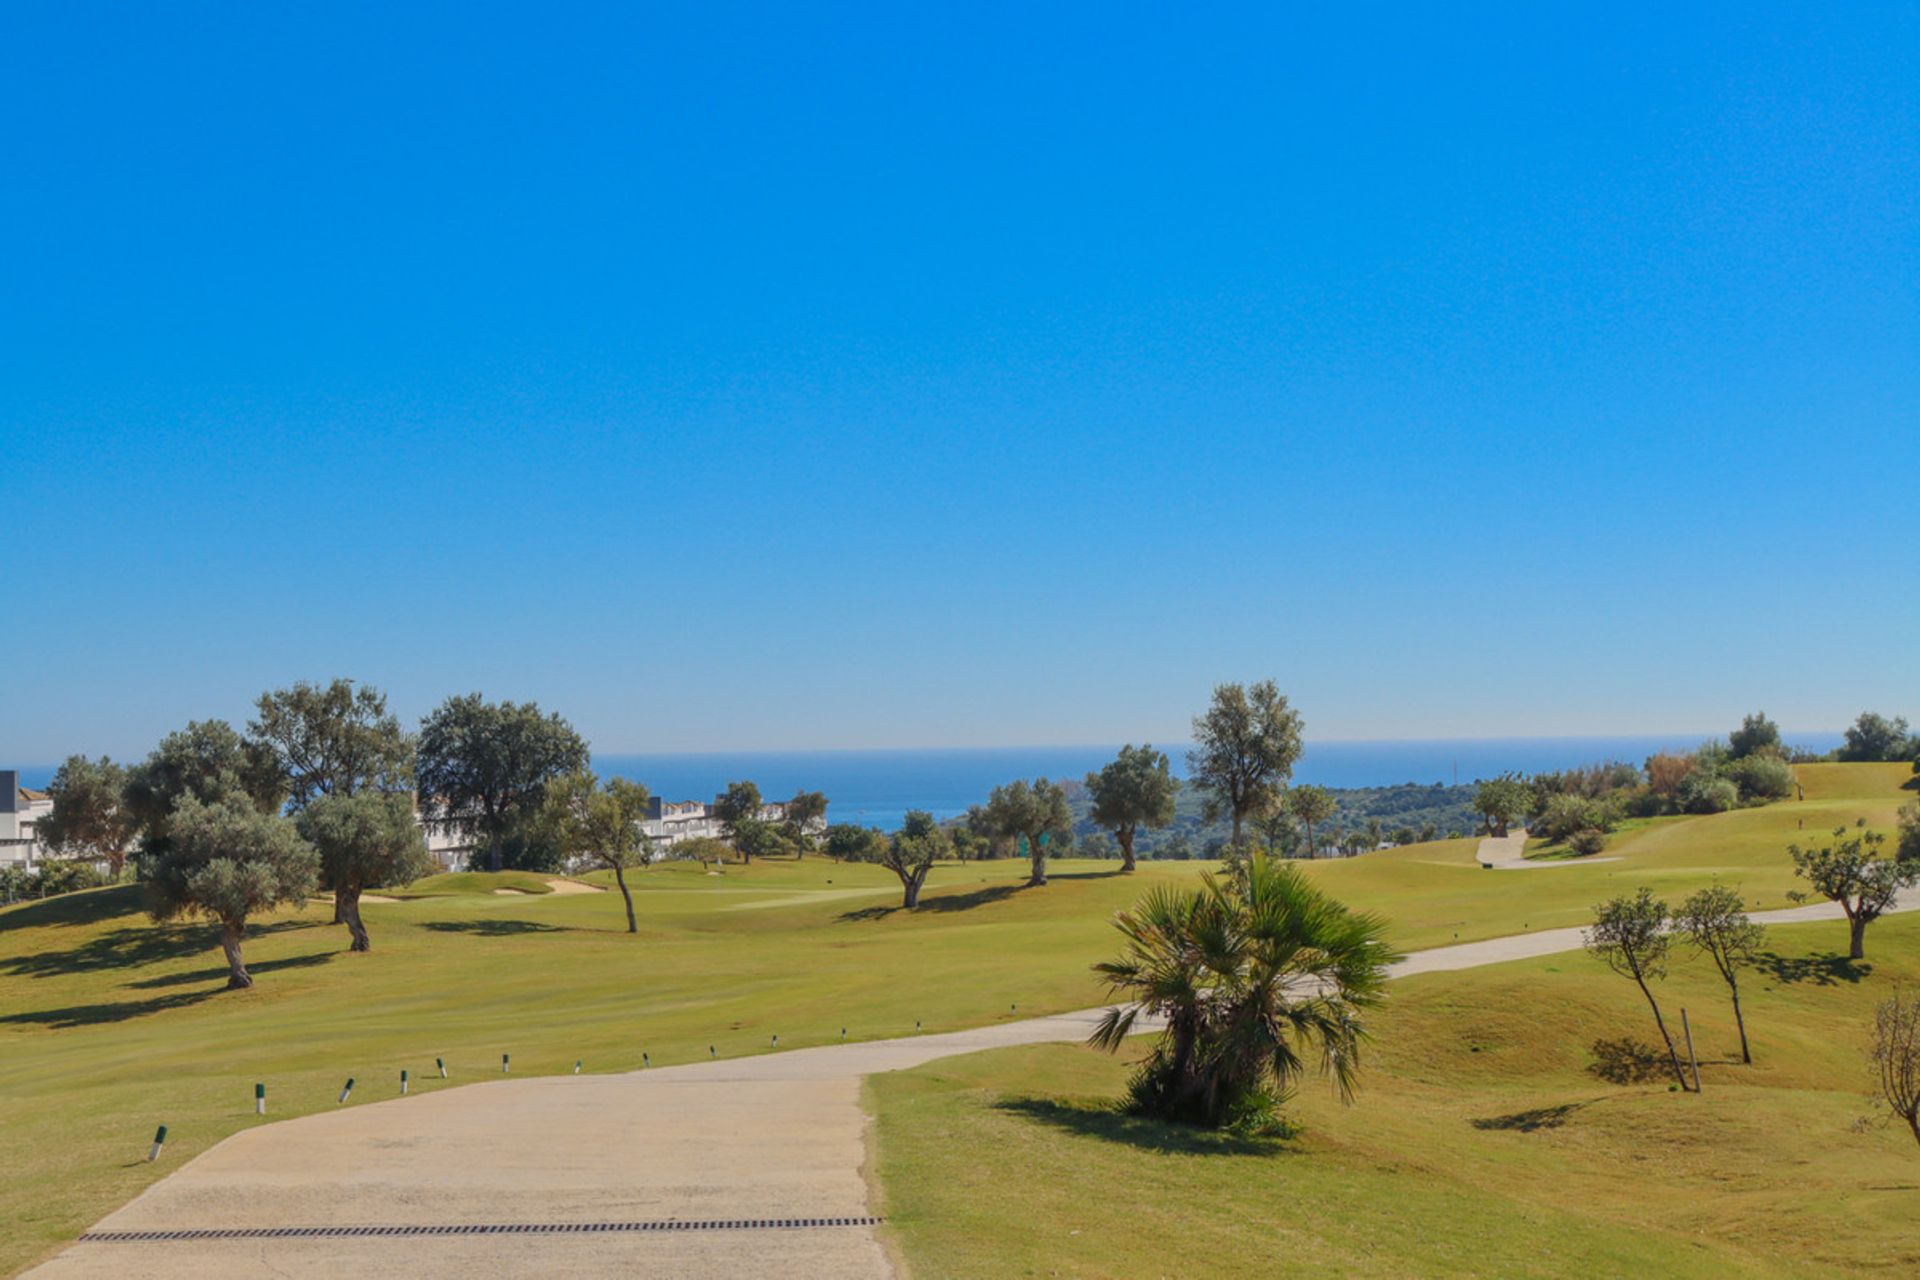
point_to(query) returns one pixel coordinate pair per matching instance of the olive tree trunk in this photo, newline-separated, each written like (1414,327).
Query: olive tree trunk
(1125,836)
(1856,936)
(347,906)
(620,878)
(1039,857)
(1673,1054)
(237,976)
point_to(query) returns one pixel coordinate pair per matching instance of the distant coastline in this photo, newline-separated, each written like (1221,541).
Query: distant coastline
(877,787)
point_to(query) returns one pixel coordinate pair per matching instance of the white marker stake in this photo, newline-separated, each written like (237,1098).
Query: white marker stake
(159,1141)
(403,1083)
(348,1090)
(260,1099)
(576,1066)
(442,1064)
(645,1061)
(503,1064)
(776,1039)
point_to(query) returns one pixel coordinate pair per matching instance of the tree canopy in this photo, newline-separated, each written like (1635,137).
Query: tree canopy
(1876,737)
(226,860)
(1036,812)
(1133,790)
(91,819)
(1756,735)
(1311,805)
(805,809)
(483,766)
(1503,800)
(1245,747)
(208,761)
(333,739)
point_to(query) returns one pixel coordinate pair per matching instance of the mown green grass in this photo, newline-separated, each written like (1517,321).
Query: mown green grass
(1479,1144)
(110,1025)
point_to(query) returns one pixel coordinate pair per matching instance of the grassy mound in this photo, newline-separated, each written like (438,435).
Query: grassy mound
(454,883)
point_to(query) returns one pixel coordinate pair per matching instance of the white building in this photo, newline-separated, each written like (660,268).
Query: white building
(20,809)
(668,822)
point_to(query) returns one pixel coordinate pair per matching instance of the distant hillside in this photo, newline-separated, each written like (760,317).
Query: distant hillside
(1407,806)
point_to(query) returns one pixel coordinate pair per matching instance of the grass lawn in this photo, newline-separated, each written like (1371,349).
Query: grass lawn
(1479,1144)
(110,1025)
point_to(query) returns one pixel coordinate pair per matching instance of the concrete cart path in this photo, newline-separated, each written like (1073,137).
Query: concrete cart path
(775,1137)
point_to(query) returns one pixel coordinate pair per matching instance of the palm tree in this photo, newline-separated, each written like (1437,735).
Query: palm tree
(1252,973)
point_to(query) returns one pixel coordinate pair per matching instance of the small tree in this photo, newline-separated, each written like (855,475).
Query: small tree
(600,821)
(1244,750)
(910,853)
(1756,735)
(1311,805)
(1502,800)
(738,811)
(1896,1056)
(1851,872)
(805,809)
(365,840)
(1133,790)
(1035,812)
(90,819)
(227,861)
(1715,921)
(847,842)
(1629,936)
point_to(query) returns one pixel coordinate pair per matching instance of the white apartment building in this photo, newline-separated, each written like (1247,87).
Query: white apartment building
(668,822)
(20,808)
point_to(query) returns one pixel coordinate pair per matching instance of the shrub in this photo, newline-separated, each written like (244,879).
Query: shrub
(1705,792)
(1761,777)
(1666,771)
(1587,841)
(1908,849)
(1643,802)
(65,877)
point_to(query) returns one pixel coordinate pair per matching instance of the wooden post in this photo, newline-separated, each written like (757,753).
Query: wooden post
(1687,1027)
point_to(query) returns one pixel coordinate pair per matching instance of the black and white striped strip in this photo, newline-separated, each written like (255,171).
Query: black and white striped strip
(471,1229)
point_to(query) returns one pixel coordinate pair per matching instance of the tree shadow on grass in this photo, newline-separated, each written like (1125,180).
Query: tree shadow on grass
(1106,1122)
(1826,969)
(495,928)
(219,972)
(1533,1120)
(132,946)
(942,902)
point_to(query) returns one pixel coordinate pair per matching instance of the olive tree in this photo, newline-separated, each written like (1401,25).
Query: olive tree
(484,766)
(1851,872)
(1245,747)
(1502,800)
(600,822)
(1875,737)
(225,860)
(909,853)
(365,840)
(1629,936)
(1035,812)
(805,809)
(91,819)
(1715,921)
(1756,735)
(1135,789)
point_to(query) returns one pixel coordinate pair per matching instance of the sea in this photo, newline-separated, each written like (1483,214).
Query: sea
(876,788)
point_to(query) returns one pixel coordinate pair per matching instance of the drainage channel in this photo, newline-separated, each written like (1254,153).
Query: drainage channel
(471,1229)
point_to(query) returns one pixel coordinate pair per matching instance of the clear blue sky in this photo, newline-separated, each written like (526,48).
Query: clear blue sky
(788,376)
